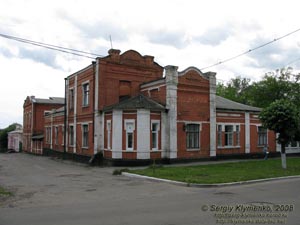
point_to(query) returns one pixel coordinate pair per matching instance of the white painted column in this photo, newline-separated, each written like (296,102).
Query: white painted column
(165,138)
(212,112)
(143,134)
(97,116)
(247,132)
(171,105)
(117,134)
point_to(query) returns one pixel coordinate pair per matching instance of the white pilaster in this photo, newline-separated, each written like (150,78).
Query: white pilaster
(97,122)
(212,112)
(117,134)
(165,138)
(171,105)
(143,134)
(247,132)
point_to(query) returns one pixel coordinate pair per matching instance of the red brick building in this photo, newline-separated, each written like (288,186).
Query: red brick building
(129,108)
(34,110)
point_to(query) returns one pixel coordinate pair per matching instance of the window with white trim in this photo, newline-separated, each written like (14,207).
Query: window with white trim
(108,129)
(85,135)
(129,127)
(71,135)
(154,132)
(262,135)
(85,94)
(192,136)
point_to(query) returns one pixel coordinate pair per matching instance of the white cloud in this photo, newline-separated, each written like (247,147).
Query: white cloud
(179,32)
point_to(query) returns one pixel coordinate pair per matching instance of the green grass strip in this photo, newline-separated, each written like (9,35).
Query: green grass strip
(225,172)
(4,192)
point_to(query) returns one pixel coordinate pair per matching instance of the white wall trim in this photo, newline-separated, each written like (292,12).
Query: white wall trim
(247,133)
(117,131)
(143,134)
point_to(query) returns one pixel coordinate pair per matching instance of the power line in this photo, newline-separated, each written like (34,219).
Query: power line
(53,47)
(250,50)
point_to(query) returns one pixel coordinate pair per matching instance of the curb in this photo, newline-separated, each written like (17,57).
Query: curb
(180,183)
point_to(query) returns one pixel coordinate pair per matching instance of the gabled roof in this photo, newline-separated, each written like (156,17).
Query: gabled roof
(51,100)
(226,104)
(137,102)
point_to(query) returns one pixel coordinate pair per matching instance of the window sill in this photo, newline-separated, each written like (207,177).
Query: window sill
(193,149)
(85,106)
(85,147)
(155,150)
(228,147)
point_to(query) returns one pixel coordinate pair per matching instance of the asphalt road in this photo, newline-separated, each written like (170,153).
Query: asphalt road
(48,191)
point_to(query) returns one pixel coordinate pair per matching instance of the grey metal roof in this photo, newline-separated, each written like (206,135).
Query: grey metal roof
(51,100)
(226,104)
(137,102)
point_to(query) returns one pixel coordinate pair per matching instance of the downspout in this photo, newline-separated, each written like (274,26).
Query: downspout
(65,121)
(94,84)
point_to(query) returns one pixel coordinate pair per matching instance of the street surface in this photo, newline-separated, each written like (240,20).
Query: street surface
(48,191)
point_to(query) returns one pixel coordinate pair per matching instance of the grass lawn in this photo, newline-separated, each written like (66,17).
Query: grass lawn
(4,193)
(225,172)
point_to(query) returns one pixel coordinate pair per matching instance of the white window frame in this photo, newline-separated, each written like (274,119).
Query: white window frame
(85,94)
(85,140)
(108,130)
(235,134)
(155,133)
(129,130)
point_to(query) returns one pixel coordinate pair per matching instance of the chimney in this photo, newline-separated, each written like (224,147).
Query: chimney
(114,54)
(149,59)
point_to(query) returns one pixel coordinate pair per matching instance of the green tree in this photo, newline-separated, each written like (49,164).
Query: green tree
(281,84)
(3,135)
(282,117)
(235,90)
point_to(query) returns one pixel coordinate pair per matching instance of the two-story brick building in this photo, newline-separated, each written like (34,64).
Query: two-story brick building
(129,108)
(34,110)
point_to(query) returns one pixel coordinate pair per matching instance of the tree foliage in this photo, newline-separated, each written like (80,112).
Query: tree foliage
(282,117)
(281,84)
(236,89)
(3,135)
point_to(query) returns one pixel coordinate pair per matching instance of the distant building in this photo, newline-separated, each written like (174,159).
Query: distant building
(130,109)
(34,110)
(15,138)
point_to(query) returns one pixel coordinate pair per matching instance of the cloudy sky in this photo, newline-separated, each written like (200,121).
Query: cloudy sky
(178,32)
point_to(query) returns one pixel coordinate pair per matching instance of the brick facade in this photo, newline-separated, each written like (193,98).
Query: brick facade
(128,107)
(33,121)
